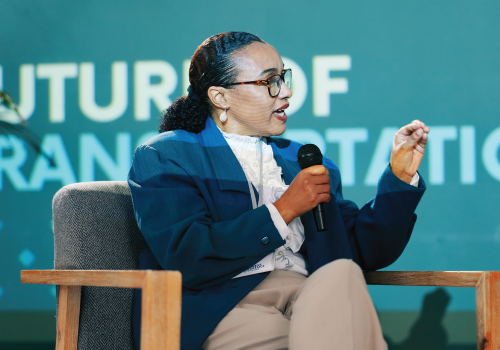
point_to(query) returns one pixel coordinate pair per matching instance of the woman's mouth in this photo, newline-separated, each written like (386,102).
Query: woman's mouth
(280,113)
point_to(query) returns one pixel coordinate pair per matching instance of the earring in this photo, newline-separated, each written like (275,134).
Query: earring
(223,116)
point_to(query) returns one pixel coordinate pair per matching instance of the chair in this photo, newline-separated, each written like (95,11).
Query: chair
(97,243)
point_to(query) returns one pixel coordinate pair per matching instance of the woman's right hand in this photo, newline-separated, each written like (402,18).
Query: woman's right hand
(309,188)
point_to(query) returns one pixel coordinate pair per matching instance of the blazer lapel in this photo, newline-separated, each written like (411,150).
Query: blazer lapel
(228,171)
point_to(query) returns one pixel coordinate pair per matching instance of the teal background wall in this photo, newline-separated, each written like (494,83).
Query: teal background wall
(91,77)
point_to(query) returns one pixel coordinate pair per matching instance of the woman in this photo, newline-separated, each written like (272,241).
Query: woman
(219,199)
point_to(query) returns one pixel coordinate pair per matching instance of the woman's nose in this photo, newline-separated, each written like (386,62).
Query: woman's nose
(285,92)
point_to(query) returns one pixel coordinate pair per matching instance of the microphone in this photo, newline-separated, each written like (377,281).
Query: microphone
(309,155)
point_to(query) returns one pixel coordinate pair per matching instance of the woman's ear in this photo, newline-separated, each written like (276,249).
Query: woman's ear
(216,96)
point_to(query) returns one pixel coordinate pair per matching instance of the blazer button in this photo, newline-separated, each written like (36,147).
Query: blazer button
(265,240)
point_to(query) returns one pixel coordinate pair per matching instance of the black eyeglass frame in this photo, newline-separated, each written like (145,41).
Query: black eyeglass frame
(267,82)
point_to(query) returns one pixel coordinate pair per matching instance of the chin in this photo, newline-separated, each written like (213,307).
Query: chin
(278,130)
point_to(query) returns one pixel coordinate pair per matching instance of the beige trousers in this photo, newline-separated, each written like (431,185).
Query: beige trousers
(331,309)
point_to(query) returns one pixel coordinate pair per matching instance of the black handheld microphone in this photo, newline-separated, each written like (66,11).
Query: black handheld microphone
(309,155)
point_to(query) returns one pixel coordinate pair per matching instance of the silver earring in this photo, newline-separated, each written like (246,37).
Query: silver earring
(223,116)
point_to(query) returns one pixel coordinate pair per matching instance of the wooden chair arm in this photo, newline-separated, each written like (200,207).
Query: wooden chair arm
(97,278)
(487,284)
(424,278)
(161,302)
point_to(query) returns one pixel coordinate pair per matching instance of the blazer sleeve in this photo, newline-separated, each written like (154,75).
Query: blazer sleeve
(177,224)
(379,231)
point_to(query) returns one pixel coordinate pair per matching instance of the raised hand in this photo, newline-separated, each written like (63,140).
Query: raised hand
(408,149)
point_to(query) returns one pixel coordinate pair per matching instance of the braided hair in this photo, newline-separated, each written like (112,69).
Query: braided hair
(212,64)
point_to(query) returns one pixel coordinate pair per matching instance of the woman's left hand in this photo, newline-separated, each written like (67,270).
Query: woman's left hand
(408,149)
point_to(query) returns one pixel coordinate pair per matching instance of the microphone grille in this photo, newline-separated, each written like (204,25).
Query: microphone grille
(309,155)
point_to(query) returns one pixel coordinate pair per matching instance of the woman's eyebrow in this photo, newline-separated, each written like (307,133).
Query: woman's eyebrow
(264,72)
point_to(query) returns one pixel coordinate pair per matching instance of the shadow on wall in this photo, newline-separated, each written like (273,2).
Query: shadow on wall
(428,332)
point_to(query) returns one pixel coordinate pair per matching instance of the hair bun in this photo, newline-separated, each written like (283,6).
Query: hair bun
(185,114)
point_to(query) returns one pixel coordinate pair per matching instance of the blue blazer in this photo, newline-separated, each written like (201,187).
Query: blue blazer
(193,206)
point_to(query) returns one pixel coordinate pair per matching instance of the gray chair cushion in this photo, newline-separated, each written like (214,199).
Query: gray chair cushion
(95,229)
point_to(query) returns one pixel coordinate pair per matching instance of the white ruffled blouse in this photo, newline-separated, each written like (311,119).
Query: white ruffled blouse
(254,155)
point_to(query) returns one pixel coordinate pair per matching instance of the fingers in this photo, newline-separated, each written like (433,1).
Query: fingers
(324,198)
(316,170)
(407,131)
(316,179)
(323,188)
(320,193)
(414,138)
(420,147)
(320,179)
(420,124)
(310,187)
(418,139)
(316,185)
(408,149)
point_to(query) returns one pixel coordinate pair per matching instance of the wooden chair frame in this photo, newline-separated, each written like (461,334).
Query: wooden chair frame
(161,302)
(487,284)
(161,299)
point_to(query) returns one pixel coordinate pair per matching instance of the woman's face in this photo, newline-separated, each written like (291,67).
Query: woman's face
(251,110)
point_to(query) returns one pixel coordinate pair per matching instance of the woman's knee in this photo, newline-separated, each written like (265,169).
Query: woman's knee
(339,276)
(339,267)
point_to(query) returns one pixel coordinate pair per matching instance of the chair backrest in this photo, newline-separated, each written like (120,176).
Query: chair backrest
(95,229)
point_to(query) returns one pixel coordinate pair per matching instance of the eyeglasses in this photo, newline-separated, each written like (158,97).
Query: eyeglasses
(273,83)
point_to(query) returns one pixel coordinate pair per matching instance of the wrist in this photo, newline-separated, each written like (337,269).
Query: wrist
(286,214)
(402,175)
(405,177)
